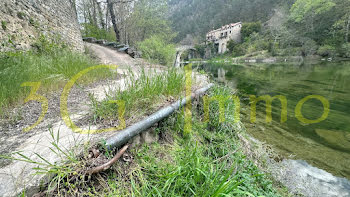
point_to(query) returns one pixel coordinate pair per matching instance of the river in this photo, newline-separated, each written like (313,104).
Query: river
(326,144)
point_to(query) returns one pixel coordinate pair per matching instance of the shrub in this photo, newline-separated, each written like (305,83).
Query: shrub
(345,50)
(239,50)
(231,45)
(156,48)
(21,15)
(45,45)
(249,28)
(90,30)
(326,51)
(309,47)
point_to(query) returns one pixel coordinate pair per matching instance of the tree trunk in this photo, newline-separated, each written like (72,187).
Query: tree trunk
(100,13)
(347,30)
(94,12)
(113,18)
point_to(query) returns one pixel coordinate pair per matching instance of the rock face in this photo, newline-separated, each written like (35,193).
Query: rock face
(24,21)
(302,178)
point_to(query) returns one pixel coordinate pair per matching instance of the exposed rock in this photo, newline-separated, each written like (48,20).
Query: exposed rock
(302,178)
(101,41)
(90,39)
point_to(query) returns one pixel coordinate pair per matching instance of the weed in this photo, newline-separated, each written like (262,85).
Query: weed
(62,174)
(141,93)
(21,15)
(207,163)
(34,23)
(4,25)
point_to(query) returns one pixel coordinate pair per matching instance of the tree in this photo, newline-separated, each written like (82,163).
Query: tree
(250,28)
(306,11)
(149,18)
(110,6)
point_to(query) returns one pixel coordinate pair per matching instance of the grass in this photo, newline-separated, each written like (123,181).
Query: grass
(142,93)
(50,64)
(209,162)
(61,174)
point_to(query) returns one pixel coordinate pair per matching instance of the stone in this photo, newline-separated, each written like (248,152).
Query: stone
(149,136)
(101,41)
(90,39)
(37,17)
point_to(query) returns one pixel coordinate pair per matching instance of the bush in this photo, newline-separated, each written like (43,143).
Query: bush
(309,47)
(249,28)
(326,51)
(156,48)
(90,30)
(345,50)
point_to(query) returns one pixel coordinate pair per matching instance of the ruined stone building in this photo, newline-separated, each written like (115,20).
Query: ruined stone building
(221,36)
(22,22)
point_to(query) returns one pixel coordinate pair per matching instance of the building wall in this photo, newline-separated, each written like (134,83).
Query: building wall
(23,21)
(224,34)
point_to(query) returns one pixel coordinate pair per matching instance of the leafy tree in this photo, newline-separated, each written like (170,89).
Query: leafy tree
(149,18)
(250,28)
(158,49)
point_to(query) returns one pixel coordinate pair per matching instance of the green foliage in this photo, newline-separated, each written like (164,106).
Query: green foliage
(51,63)
(250,28)
(149,18)
(158,49)
(304,9)
(21,15)
(4,25)
(59,175)
(91,30)
(45,45)
(34,23)
(326,51)
(231,45)
(309,47)
(207,163)
(141,93)
(200,49)
(345,50)
(197,17)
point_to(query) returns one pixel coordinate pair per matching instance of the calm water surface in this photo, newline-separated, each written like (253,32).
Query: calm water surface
(325,145)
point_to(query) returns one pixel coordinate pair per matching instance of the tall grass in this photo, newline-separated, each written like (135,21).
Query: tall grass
(50,63)
(142,93)
(207,163)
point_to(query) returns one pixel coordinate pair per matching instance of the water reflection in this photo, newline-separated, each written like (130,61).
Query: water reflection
(325,145)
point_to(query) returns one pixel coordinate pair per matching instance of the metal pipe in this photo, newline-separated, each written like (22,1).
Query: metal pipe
(123,136)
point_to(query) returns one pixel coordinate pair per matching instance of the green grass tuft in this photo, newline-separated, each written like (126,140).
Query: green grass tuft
(50,64)
(142,93)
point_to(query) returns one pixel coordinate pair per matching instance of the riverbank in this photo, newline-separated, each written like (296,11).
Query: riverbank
(321,145)
(209,161)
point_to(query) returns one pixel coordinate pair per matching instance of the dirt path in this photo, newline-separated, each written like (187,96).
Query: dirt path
(16,175)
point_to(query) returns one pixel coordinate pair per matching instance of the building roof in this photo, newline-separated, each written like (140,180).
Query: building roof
(224,27)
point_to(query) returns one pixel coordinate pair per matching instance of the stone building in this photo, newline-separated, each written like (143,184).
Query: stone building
(22,22)
(221,36)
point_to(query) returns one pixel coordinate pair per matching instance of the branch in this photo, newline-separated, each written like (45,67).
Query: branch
(107,165)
